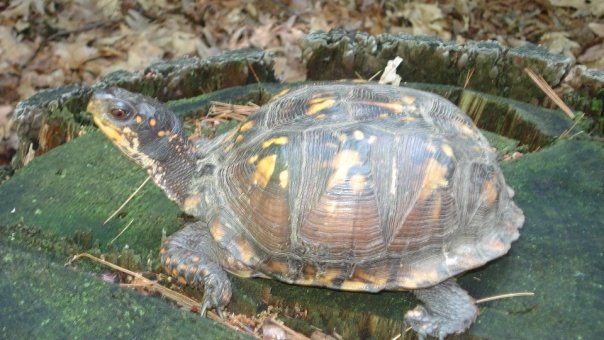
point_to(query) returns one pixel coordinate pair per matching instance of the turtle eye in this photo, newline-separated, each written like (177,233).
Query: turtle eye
(118,113)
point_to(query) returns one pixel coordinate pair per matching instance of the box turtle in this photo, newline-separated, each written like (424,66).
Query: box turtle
(358,187)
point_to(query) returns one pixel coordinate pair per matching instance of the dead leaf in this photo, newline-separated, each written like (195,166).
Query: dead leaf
(597,28)
(558,42)
(12,51)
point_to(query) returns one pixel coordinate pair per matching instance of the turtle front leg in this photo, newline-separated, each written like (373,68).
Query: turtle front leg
(447,309)
(192,256)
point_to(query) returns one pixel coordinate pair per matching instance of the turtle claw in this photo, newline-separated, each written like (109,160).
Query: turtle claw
(217,292)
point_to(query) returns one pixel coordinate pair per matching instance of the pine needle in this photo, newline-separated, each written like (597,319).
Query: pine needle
(121,232)
(127,200)
(544,86)
(504,296)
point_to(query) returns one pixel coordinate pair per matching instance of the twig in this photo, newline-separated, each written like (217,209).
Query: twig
(544,86)
(180,299)
(504,296)
(127,200)
(121,232)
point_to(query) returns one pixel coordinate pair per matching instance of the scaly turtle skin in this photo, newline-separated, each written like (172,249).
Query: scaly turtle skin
(358,187)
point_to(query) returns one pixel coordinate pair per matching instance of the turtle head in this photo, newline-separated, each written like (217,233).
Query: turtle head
(149,133)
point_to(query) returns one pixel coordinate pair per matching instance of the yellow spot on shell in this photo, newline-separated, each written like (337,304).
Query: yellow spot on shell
(152,122)
(319,104)
(434,178)
(283,179)
(182,280)
(342,163)
(238,139)
(282,93)
(354,286)
(246,126)
(408,100)
(447,150)
(395,107)
(252,159)
(320,116)
(195,259)
(329,276)
(228,148)
(384,115)
(138,119)
(372,139)
(275,140)
(161,133)
(264,170)
(278,267)
(357,183)
(489,192)
(358,135)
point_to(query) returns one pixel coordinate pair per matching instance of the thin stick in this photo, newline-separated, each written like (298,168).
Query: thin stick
(504,296)
(544,86)
(182,300)
(127,200)
(121,232)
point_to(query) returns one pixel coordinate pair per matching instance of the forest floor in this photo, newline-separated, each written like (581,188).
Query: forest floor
(49,43)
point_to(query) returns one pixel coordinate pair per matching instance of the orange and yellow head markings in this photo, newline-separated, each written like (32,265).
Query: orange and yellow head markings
(319,104)
(264,170)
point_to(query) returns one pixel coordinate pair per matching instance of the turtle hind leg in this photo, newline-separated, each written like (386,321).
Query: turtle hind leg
(192,256)
(447,309)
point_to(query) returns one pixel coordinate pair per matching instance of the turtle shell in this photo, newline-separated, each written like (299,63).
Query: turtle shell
(359,187)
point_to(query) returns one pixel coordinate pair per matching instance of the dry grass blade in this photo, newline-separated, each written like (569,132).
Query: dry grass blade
(504,296)
(565,133)
(121,232)
(544,86)
(468,78)
(127,200)
(178,298)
